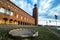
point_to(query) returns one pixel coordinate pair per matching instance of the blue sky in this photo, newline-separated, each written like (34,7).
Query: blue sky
(46,9)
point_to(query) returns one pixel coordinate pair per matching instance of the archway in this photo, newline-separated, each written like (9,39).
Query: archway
(15,22)
(10,20)
(5,19)
(18,22)
(21,23)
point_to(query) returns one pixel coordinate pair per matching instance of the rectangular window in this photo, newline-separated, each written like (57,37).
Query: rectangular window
(21,17)
(7,12)
(16,16)
(8,5)
(2,10)
(11,14)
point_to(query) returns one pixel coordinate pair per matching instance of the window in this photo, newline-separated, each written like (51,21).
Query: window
(17,16)
(8,5)
(24,18)
(2,10)
(8,12)
(11,7)
(11,14)
(27,19)
(21,17)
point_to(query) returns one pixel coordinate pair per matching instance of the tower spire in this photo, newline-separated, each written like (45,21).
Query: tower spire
(35,5)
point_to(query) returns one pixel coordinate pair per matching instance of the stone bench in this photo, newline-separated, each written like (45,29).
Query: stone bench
(23,32)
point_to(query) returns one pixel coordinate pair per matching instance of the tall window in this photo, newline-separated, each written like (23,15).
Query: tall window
(8,12)
(17,16)
(21,17)
(25,18)
(11,14)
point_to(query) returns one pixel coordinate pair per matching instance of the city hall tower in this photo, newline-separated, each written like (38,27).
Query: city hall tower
(35,14)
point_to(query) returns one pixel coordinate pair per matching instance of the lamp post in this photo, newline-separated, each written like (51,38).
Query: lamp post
(49,22)
(56,19)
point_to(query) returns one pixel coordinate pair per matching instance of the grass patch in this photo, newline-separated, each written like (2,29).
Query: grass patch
(58,31)
(44,34)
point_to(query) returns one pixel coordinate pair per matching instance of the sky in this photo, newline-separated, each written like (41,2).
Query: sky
(47,9)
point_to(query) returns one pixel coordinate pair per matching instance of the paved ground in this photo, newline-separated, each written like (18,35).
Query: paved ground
(52,31)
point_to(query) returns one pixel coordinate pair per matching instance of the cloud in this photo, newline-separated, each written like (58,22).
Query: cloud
(45,5)
(41,20)
(34,1)
(26,6)
(46,12)
(55,11)
(51,17)
(22,4)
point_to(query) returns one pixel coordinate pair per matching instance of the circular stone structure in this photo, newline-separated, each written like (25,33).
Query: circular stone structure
(23,32)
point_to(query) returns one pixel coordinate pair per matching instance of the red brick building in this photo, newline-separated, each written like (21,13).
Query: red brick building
(12,14)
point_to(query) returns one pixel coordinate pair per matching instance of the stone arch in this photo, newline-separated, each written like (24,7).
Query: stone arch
(21,23)
(5,19)
(18,22)
(15,21)
(10,20)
